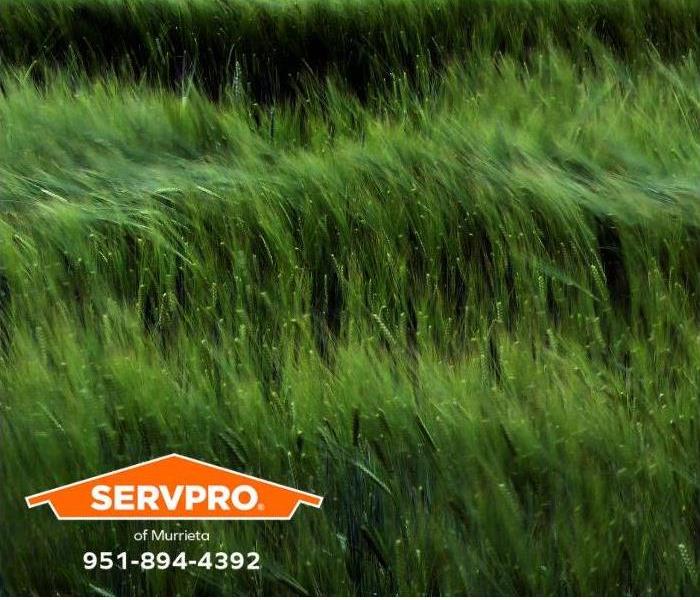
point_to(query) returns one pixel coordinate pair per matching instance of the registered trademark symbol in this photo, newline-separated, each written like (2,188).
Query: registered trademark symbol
(261,506)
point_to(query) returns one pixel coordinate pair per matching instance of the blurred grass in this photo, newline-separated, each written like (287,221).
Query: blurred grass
(462,306)
(274,45)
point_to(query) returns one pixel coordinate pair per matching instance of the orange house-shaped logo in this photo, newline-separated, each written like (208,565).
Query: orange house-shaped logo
(174,487)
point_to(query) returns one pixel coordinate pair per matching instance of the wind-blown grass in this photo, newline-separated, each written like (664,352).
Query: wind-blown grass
(275,45)
(462,307)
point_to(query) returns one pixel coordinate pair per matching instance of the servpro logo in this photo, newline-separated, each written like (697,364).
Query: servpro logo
(174,487)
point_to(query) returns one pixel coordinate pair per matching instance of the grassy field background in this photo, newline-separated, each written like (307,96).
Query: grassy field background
(435,261)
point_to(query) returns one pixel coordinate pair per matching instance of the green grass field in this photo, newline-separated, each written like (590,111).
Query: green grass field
(436,261)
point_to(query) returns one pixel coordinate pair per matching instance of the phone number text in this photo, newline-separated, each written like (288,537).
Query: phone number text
(249,561)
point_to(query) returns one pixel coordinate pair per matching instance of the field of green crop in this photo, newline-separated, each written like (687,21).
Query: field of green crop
(437,261)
